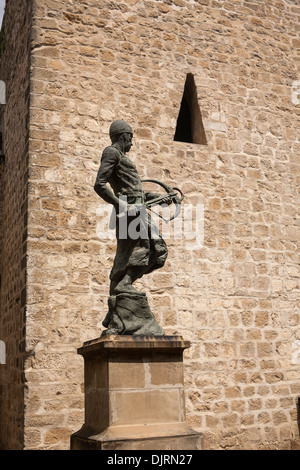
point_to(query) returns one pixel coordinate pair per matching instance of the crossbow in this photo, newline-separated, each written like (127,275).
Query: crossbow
(175,194)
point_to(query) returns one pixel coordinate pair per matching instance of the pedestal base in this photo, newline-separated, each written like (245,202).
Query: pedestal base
(137,438)
(134,395)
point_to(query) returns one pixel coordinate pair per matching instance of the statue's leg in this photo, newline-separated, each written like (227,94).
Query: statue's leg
(112,287)
(125,284)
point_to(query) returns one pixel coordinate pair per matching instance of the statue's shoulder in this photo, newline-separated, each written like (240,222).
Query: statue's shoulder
(111,153)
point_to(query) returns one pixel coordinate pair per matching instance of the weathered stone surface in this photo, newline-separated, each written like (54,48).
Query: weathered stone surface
(13,220)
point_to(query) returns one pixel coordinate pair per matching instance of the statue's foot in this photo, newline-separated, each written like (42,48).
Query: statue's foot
(106,319)
(132,316)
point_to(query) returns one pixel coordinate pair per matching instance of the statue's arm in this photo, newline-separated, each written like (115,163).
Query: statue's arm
(109,160)
(163,198)
(149,196)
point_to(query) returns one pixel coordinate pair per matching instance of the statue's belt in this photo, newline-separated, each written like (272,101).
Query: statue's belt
(136,195)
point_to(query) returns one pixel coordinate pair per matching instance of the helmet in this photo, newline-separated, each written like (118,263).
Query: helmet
(119,127)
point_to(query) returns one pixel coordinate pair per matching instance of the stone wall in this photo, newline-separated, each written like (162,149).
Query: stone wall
(235,298)
(13,170)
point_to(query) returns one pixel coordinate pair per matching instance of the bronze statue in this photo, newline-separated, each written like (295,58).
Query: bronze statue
(139,251)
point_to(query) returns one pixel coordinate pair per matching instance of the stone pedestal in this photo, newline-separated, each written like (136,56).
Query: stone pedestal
(134,395)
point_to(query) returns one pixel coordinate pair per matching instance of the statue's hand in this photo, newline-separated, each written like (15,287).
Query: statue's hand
(166,200)
(131,210)
(135,209)
(122,206)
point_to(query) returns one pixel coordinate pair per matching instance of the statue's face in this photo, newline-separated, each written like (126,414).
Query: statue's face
(127,139)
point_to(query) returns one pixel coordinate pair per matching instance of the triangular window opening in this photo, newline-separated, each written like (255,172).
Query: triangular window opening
(189,122)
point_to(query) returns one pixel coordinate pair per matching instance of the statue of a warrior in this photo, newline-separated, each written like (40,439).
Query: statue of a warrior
(140,247)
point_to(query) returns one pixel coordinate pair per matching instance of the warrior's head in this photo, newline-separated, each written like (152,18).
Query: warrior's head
(121,133)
